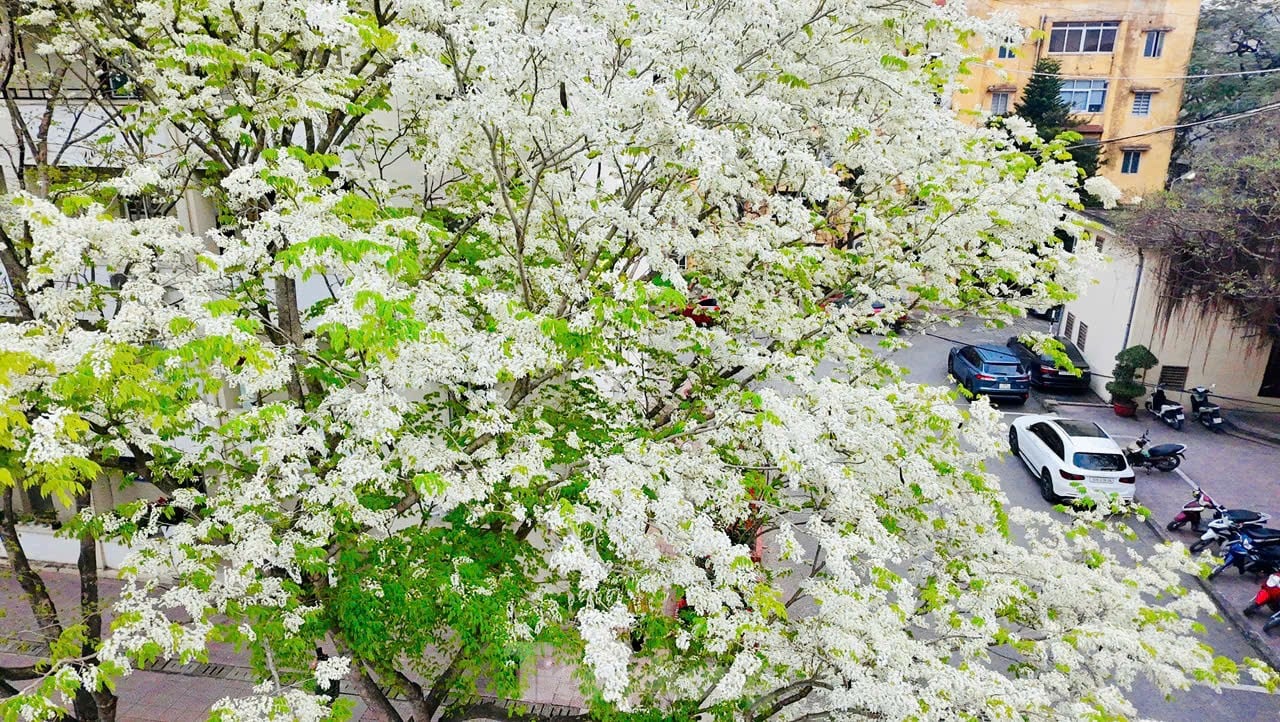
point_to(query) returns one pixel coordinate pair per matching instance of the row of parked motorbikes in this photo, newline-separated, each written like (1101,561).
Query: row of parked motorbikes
(1172,414)
(1248,545)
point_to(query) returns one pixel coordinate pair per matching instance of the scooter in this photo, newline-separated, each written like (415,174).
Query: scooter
(1209,415)
(1231,524)
(1170,412)
(1268,596)
(1165,457)
(1247,557)
(1191,511)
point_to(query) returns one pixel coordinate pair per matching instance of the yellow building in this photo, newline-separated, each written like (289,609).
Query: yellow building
(1121,63)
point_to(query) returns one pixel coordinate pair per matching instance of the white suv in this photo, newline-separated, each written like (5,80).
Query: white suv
(1071,459)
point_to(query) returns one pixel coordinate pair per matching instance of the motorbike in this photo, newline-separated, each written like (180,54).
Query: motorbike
(1268,596)
(1232,524)
(1245,556)
(1170,412)
(1208,414)
(1191,511)
(1165,457)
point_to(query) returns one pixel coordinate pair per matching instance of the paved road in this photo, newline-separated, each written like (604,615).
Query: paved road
(1245,473)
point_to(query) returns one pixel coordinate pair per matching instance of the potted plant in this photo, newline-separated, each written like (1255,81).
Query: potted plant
(1124,386)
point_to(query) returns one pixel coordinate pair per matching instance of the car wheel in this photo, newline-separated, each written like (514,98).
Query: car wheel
(1013,440)
(1168,463)
(1046,487)
(951,366)
(1200,545)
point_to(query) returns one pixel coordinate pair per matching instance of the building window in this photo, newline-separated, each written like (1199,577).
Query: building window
(1004,52)
(1173,378)
(114,83)
(1155,44)
(1084,336)
(1129,164)
(1087,37)
(999,103)
(1070,325)
(1142,104)
(1084,96)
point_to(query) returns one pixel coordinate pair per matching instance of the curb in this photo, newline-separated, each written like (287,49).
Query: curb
(1259,643)
(1251,431)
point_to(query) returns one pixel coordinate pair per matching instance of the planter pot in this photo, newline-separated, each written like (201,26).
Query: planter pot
(1124,408)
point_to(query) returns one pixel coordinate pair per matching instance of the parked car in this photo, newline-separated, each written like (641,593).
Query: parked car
(1071,459)
(989,370)
(1045,374)
(703,313)
(838,299)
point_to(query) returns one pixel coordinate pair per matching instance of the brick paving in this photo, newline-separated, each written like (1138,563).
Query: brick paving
(172,692)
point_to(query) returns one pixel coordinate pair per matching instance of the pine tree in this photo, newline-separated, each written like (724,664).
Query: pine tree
(1042,104)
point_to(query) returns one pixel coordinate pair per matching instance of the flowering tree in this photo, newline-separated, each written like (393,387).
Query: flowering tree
(438,392)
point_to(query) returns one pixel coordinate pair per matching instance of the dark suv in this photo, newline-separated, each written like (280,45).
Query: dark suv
(1045,374)
(990,371)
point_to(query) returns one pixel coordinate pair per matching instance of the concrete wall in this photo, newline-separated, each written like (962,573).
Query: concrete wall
(1126,69)
(1213,347)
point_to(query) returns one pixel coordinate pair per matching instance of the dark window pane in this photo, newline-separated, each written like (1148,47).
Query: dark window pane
(1074,40)
(1057,40)
(1092,37)
(1108,42)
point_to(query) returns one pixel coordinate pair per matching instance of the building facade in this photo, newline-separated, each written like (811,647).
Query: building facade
(1122,63)
(1196,345)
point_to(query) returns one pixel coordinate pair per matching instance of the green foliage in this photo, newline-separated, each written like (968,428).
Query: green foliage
(1232,36)
(1124,386)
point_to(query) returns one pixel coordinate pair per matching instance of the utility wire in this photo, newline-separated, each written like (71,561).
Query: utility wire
(1179,126)
(1072,76)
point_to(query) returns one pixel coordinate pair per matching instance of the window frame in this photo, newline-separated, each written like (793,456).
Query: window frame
(1130,162)
(1008,97)
(1142,102)
(1153,46)
(1072,37)
(1070,91)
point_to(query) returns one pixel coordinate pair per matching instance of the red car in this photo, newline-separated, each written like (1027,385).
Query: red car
(703,312)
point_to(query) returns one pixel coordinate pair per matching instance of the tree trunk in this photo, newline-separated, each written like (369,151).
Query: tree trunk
(104,701)
(37,595)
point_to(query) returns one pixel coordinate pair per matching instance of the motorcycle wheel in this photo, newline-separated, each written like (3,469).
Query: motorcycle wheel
(1177,425)
(1168,463)
(1218,570)
(1200,545)
(1175,525)
(1271,624)
(1252,609)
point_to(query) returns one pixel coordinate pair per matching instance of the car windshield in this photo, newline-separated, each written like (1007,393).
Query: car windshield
(1081,429)
(1098,462)
(1004,369)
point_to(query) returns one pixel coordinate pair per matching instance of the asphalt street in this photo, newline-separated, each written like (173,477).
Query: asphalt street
(1211,459)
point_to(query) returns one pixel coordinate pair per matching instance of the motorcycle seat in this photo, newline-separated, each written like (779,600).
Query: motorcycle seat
(1262,535)
(1244,516)
(1165,449)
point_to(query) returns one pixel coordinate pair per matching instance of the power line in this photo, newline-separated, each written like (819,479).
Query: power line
(1179,126)
(1072,76)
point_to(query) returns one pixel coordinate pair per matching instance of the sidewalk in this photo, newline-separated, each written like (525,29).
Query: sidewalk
(1235,469)
(172,692)
(1261,425)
